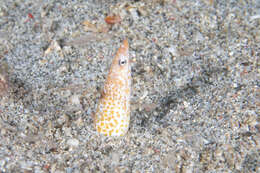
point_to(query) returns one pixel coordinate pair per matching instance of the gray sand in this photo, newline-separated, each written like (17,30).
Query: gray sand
(195,93)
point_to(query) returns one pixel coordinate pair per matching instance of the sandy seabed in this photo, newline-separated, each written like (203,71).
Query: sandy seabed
(195,85)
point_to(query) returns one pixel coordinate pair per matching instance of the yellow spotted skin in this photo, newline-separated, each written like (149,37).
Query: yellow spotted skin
(113,112)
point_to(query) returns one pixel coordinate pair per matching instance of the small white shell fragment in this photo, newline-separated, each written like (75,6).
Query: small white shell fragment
(75,99)
(254,17)
(73,142)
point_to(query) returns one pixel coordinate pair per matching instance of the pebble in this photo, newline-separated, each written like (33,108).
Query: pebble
(73,142)
(75,99)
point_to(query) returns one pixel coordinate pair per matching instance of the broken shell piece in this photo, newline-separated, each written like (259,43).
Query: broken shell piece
(112,19)
(89,27)
(53,46)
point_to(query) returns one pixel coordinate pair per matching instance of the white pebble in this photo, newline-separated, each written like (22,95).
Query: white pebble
(73,142)
(75,100)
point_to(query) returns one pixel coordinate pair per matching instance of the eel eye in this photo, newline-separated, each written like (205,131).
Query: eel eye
(122,62)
